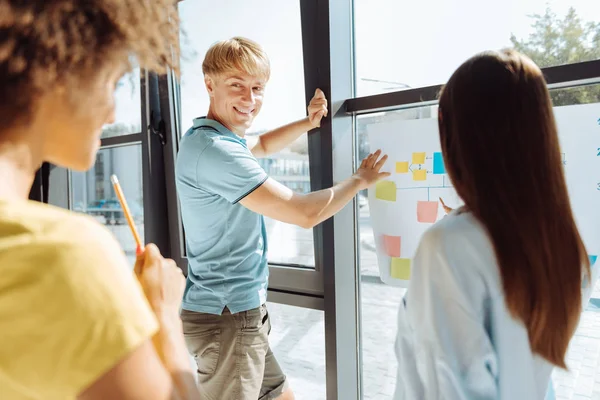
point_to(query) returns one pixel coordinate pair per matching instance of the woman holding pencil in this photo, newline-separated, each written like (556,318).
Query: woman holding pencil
(74,322)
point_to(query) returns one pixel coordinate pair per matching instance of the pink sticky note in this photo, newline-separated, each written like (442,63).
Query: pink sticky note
(427,211)
(391,245)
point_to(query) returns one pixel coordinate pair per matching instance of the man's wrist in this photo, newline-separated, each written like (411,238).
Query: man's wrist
(359,182)
(307,125)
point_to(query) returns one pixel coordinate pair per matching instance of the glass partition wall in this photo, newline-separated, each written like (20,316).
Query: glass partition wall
(397,91)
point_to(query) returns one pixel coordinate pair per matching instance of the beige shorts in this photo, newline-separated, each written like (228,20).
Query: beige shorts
(233,356)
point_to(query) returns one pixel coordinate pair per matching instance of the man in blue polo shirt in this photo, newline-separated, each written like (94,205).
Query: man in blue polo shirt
(224,194)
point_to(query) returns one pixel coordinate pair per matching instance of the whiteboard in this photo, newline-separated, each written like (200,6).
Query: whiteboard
(405,205)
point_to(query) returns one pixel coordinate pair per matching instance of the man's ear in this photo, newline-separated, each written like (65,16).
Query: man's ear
(210,84)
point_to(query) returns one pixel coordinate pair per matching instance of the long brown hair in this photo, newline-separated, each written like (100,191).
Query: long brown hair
(501,149)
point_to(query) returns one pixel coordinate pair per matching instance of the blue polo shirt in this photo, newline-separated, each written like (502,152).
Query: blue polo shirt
(226,243)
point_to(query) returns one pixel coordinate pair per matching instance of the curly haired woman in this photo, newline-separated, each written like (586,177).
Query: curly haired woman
(74,322)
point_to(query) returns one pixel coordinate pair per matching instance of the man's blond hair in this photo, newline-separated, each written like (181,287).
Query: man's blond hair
(237,54)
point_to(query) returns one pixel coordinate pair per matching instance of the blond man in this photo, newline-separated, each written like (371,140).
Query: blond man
(224,194)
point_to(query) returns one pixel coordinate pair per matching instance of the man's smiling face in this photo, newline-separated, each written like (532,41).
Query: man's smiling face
(235,99)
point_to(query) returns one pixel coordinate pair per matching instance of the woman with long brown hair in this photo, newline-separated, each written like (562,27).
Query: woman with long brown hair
(495,295)
(74,321)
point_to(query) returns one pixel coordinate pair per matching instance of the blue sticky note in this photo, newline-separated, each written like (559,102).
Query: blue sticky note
(593,259)
(438,164)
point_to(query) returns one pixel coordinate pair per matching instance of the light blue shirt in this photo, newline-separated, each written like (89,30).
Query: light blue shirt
(226,243)
(456,338)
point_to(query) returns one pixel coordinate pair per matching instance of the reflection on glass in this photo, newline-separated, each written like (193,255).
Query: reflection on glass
(290,244)
(402,45)
(284,100)
(58,181)
(92,193)
(380,302)
(560,39)
(298,342)
(128,105)
(576,95)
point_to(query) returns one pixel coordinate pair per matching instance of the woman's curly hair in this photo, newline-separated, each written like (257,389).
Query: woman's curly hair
(45,43)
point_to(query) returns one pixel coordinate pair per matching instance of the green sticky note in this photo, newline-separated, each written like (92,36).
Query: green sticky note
(385,190)
(400,268)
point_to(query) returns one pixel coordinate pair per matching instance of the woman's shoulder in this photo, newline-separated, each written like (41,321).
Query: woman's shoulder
(67,274)
(41,244)
(455,228)
(464,245)
(30,222)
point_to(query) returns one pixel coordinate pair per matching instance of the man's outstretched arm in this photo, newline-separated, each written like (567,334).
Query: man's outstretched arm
(273,141)
(274,200)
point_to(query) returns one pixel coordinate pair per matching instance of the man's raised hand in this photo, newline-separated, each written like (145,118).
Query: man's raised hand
(317,108)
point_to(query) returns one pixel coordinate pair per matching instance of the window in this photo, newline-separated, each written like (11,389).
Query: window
(401,45)
(576,114)
(298,342)
(128,107)
(58,182)
(92,193)
(284,96)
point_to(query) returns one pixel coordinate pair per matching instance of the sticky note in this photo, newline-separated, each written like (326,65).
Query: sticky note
(427,211)
(385,190)
(400,268)
(438,164)
(402,167)
(418,158)
(584,281)
(419,175)
(391,245)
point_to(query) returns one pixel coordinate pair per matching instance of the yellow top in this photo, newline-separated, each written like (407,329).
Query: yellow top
(70,306)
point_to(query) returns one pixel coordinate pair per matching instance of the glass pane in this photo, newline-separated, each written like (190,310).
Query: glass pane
(128,106)
(284,101)
(382,243)
(58,182)
(290,244)
(403,45)
(92,193)
(298,342)
(379,302)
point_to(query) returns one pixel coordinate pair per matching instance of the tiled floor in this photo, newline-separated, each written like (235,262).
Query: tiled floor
(582,381)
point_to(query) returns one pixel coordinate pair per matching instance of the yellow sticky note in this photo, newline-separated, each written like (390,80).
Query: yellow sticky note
(420,174)
(402,167)
(400,268)
(385,190)
(418,158)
